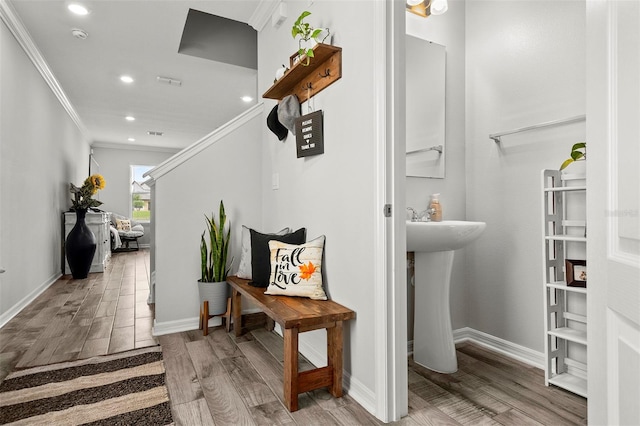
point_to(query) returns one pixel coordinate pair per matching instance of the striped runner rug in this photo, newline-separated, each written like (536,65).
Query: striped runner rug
(120,389)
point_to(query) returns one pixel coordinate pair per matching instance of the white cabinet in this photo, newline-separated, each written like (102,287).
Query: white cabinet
(565,291)
(99,225)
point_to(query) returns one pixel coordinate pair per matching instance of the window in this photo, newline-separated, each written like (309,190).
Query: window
(140,194)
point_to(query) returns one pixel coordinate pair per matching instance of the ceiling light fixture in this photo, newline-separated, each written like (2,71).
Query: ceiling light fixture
(131,139)
(425,8)
(246,98)
(126,79)
(78,33)
(78,9)
(438,7)
(130,118)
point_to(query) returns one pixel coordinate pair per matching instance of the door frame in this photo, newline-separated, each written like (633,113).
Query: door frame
(613,303)
(390,299)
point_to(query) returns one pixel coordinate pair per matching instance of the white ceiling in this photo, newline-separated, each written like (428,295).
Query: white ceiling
(140,39)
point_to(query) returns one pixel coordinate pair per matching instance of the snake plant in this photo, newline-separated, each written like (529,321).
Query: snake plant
(213,258)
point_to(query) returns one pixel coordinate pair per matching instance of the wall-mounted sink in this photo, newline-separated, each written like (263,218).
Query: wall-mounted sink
(442,236)
(434,244)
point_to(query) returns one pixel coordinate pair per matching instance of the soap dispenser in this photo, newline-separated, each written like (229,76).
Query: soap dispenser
(436,208)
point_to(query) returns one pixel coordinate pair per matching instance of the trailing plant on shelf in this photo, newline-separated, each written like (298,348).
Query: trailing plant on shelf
(578,153)
(307,33)
(213,257)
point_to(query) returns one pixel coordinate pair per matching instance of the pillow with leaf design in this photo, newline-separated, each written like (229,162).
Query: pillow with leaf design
(296,270)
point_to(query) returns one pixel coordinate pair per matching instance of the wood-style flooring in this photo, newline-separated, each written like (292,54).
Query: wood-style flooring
(73,319)
(223,380)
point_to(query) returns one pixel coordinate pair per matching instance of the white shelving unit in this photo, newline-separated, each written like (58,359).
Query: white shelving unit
(564,230)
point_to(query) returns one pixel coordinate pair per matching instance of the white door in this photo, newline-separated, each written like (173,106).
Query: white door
(613,211)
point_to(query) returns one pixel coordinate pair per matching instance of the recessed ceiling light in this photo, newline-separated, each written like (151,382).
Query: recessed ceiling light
(247,98)
(131,139)
(126,79)
(129,118)
(78,9)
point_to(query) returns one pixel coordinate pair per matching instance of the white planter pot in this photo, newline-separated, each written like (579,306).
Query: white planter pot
(216,294)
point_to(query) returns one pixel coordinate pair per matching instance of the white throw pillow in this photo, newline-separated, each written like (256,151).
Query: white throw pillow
(296,270)
(244,269)
(123,224)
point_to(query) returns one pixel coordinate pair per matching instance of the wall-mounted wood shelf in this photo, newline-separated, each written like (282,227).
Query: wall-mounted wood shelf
(324,69)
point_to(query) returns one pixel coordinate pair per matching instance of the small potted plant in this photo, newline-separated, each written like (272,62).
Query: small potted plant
(578,153)
(212,285)
(309,36)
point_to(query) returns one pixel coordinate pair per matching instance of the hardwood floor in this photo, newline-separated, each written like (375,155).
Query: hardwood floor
(221,380)
(104,313)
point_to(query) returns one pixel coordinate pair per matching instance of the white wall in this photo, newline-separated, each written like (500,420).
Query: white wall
(41,152)
(525,64)
(447,30)
(228,170)
(332,194)
(115,166)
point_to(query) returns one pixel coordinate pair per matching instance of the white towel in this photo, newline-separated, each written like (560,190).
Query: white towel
(116,238)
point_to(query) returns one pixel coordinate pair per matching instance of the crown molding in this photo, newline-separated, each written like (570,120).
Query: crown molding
(22,36)
(130,147)
(263,13)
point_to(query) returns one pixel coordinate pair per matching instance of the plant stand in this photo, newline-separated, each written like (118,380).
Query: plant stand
(205,317)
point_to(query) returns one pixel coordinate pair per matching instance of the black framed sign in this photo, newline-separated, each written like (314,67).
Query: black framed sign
(309,134)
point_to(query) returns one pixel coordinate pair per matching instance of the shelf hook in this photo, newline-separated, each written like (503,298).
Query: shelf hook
(327,73)
(308,86)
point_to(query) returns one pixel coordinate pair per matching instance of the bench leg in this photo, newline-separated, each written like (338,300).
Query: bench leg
(236,306)
(334,358)
(291,368)
(227,315)
(205,318)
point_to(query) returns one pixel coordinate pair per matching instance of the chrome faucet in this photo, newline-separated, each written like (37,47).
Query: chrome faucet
(414,214)
(423,216)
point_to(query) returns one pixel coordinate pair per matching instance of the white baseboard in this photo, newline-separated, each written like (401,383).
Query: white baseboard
(187,324)
(504,347)
(15,309)
(167,327)
(496,344)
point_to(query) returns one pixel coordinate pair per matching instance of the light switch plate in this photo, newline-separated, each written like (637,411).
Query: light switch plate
(275,181)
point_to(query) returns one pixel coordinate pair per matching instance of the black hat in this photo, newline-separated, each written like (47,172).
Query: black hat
(275,126)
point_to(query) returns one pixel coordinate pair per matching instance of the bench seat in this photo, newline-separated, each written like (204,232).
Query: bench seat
(298,315)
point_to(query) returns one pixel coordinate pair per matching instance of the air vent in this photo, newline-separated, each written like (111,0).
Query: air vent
(168,80)
(153,133)
(78,33)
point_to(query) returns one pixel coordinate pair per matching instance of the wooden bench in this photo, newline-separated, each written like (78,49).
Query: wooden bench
(297,315)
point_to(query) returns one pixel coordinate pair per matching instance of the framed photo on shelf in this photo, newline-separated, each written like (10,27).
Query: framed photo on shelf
(576,272)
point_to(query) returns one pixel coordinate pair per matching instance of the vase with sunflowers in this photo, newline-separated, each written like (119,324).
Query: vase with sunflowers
(80,246)
(83,195)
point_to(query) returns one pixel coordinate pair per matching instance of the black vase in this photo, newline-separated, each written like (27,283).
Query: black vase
(80,247)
